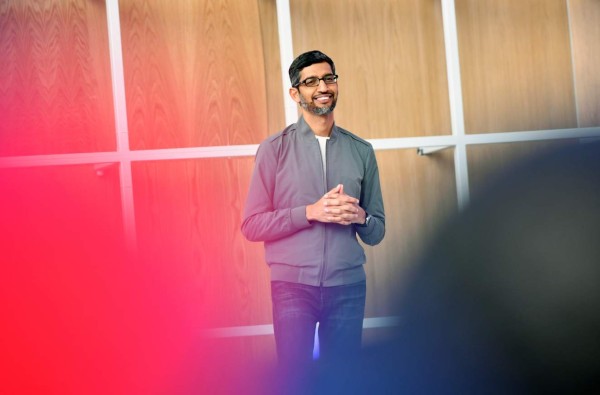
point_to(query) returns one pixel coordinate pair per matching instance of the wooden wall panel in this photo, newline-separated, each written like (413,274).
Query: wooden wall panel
(188,216)
(194,73)
(65,300)
(55,87)
(487,161)
(585,30)
(419,193)
(515,65)
(270,42)
(390,59)
(74,204)
(235,365)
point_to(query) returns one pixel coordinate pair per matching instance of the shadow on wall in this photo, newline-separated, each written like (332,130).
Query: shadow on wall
(506,299)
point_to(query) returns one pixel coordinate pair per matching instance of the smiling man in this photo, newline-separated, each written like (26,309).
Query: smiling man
(315,186)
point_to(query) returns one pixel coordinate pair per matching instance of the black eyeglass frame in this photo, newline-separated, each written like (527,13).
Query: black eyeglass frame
(318,81)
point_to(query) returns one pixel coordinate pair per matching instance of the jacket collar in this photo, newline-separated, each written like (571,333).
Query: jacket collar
(306,132)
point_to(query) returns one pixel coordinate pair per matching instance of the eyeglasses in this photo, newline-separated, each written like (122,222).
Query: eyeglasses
(329,79)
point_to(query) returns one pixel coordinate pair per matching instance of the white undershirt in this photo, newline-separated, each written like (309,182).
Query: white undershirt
(323,144)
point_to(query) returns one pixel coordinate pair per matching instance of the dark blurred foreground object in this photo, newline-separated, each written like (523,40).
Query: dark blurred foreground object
(506,299)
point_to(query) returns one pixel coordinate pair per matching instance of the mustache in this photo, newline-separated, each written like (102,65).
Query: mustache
(323,93)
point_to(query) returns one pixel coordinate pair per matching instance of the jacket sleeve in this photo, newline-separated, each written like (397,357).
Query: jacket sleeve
(261,220)
(372,202)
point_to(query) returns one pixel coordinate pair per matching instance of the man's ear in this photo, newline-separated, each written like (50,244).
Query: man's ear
(295,95)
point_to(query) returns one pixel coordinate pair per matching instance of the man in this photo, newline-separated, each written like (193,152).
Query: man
(315,187)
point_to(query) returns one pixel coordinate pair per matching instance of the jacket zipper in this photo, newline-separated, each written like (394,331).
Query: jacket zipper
(324,168)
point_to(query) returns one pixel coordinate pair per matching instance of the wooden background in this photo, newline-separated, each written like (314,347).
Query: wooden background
(194,73)
(206,73)
(390,59)
(55,87)
(516,65)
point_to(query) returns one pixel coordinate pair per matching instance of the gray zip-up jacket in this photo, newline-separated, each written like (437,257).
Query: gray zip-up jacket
(288,176)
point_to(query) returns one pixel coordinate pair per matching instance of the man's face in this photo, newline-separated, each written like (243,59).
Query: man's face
(320,99)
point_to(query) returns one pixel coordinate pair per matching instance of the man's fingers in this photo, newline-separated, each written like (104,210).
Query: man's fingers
(339,220)
(345,210)
(344,199)
(346,204)
(338,192)
(334,190)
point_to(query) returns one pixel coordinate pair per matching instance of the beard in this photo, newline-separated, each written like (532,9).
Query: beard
(311,107)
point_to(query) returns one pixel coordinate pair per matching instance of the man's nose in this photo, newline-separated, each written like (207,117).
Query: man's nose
(322,85)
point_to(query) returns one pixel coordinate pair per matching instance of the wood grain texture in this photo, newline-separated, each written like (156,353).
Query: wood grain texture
(60,211)
(488,161)
(235,365)
(585,30)
(270,42)
(515,65)
(419,193)
(55,87)
(188,216)
(194,73)
(390,59)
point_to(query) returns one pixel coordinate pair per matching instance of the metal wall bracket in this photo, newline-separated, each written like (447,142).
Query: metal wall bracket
(430,150)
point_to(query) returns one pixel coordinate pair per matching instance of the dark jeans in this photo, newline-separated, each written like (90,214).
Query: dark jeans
(296,310)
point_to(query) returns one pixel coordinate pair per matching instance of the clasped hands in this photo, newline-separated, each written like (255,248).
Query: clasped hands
(336,207)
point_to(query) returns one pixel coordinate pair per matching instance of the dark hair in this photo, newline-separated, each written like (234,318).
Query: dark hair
(306,59)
